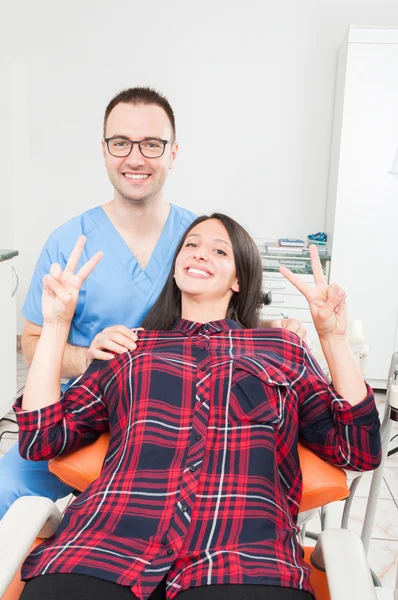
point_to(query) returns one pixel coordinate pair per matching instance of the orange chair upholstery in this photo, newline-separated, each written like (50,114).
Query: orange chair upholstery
(83,466)
(322,482)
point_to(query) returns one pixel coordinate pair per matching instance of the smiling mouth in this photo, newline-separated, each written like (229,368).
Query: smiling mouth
(198,272)
(136,176)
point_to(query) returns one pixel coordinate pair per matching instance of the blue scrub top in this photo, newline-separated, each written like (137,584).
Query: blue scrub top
(118,291)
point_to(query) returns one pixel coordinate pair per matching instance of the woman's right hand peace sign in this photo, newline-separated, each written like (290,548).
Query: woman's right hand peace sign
(61,288)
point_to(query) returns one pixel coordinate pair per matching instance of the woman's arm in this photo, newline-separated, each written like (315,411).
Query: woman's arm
(59,299)
(44,378)
(78,418)
(328,308)
(339,421)
(48,427)
(344,371)
(343,433)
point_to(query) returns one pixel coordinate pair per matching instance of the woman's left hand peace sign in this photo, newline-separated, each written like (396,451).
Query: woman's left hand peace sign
(327,302)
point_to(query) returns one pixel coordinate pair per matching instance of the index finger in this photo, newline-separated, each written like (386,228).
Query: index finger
(295,280)
(75,255)
(317,270)
(86,269)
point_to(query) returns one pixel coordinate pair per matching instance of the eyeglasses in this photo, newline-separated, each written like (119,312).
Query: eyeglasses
(150,148)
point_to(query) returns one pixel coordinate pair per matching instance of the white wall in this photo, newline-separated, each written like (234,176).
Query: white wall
(252,86)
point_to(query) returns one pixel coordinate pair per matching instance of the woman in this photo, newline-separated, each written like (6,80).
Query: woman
(200,489)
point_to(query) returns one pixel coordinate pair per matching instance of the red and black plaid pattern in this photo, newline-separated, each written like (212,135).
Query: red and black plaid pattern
(201,480)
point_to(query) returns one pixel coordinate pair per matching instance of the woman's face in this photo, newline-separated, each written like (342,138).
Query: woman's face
(205,265)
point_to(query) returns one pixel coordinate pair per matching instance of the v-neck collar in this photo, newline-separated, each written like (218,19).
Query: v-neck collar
(123,253)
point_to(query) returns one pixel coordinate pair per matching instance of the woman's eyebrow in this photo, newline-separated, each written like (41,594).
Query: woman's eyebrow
(219,240)
(222,241)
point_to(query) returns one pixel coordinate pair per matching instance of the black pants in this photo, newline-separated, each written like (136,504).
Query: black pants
(81,587)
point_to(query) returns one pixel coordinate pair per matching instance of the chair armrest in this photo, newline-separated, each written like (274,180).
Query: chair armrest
(83,466)
(341,554)
(29,517)
(322,482)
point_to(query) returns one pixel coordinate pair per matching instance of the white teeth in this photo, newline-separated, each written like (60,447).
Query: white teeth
(198,272)
(131,176)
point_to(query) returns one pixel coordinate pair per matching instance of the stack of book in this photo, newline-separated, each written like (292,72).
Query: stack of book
(285,246)
(294,247)
(321,246)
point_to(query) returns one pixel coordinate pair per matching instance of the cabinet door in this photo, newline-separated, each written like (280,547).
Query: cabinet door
(8,354)
(365,249)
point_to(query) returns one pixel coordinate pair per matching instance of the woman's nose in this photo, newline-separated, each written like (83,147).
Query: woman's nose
(201,252)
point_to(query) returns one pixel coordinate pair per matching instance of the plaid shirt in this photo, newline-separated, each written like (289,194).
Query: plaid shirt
(201,480)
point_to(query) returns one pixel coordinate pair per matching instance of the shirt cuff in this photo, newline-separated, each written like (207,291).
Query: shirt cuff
(363,413)
(30,420)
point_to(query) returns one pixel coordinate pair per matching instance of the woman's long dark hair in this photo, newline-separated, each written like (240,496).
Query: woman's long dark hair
(244,307)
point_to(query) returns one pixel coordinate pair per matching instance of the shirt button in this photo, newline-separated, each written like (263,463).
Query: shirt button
(170,551)
(192,468)
(184,507)
(203,368)
(198,437)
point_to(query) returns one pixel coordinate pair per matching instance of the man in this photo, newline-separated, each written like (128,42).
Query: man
(138,231)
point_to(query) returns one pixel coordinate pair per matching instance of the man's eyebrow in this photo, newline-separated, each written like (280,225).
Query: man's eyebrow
(120,136)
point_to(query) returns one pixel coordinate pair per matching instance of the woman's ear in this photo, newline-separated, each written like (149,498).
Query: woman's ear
(235,286)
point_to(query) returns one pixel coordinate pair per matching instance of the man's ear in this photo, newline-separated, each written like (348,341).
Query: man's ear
(103,149)
(173,155)
(235,286)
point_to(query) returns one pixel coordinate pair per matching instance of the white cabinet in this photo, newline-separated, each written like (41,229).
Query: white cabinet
(8,353)
(287,301)
(362,211)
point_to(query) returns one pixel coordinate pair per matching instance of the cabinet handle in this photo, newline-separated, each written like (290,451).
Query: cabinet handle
(270,287)
(278,302)
(277,315)
(14,291)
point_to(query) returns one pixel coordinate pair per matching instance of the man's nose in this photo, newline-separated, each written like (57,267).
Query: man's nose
(135,158)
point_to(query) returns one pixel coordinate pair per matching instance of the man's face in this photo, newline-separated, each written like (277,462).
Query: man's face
(134,177)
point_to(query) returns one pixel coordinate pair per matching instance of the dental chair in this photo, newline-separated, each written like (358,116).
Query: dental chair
(339,564)
(33,517)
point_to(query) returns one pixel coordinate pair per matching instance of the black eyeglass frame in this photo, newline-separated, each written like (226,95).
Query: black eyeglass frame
(132,142)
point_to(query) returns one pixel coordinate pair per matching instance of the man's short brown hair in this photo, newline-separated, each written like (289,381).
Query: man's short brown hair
(142,95)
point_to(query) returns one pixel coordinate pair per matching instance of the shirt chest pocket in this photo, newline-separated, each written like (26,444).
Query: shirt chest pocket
(257,391)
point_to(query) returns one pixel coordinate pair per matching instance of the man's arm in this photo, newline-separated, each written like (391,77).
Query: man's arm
(74,360)
(293,325)
(105,346)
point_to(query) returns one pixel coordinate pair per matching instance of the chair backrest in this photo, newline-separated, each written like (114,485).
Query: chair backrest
(322,482)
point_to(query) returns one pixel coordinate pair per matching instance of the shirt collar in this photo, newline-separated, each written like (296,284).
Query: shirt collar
(190,328)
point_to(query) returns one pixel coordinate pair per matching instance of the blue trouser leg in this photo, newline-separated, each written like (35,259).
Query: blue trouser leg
(20,477)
